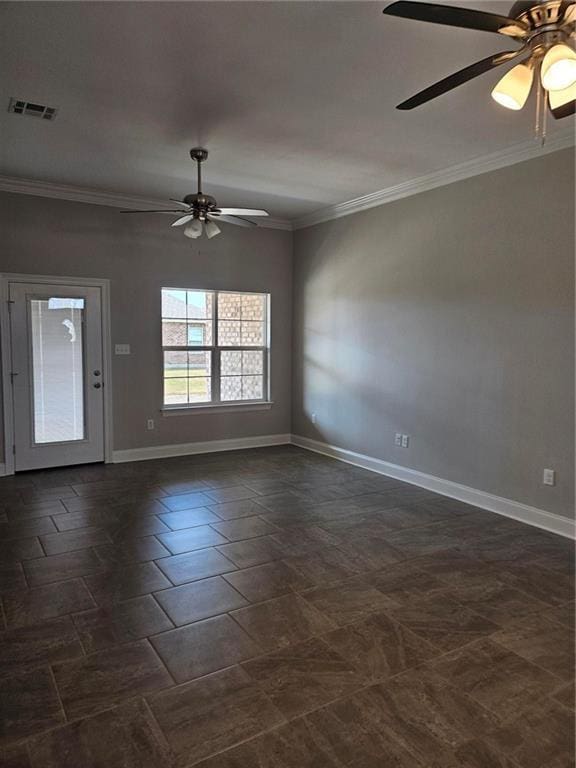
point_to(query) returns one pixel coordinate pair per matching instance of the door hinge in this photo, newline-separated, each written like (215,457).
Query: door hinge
(10,302)
(14,450)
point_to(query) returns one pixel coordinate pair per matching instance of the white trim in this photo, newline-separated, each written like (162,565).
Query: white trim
(518,153)
(2,470)
(539,518)
(6,363)
(190,449)
(196,410)
(100,197)
(92,282)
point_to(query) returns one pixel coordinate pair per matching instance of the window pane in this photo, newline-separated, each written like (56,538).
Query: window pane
(245,362)
(241,388)
(196,389)
(229,334)
(173,303)
(174,333)
(57,369)
(231,363)
(252,388)
(175,391)
(229,306)
(252,362)
(200,305)
(253,306)
(231,388)
(179,333)
(252,334)
(178,365)
(199,364)
(199,390)
(175,364)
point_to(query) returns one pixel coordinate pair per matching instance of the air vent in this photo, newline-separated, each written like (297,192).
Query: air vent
(20,107)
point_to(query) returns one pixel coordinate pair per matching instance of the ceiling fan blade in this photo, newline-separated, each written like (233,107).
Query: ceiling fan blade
(183,220)
(164,211)
(459,78)
(457,17)
(180,202)
(569,12)
(233,220)
(240,212)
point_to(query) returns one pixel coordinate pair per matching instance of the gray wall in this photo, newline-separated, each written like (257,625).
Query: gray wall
(140,254)
(448,316)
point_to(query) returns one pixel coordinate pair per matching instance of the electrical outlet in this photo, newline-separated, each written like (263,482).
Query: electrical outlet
(150,424)
(549,477)
(398,439)
(405,441)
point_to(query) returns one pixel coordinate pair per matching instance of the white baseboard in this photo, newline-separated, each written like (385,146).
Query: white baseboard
(189,449)
(539,518)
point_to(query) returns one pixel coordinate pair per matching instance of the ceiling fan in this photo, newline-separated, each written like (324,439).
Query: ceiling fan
(201,212)
(546,30)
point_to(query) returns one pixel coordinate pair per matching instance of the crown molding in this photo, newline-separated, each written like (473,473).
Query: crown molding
(98,197)
(518,153)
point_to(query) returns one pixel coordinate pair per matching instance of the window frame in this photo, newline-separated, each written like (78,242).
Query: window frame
(215,351)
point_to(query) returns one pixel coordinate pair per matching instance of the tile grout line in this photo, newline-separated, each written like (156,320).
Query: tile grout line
(335,700)
(148,641)
(352,576)
(57,689)
(161,607)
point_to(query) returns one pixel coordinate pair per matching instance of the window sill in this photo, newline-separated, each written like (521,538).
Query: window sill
(195,410)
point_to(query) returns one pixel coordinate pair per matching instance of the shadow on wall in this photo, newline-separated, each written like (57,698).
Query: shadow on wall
(430,317)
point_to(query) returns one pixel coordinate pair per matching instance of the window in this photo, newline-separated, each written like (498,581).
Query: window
(195,336)
(215,347)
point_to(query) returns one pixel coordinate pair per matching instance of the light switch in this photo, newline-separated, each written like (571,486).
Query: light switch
(122,349)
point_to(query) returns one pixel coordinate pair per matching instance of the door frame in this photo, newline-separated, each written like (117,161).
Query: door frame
(6,343)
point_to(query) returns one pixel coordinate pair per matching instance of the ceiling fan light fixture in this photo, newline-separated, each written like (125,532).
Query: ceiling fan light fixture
(194,229)
(563,103)
(513,89)
(560,98)
(211,229)
(558,68)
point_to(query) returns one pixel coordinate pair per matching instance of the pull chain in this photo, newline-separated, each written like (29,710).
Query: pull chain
(544,118)
(540,126)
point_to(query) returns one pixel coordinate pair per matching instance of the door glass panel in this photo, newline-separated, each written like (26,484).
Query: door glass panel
(57,369)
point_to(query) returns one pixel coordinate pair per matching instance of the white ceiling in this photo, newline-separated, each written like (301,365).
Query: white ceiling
(294,100)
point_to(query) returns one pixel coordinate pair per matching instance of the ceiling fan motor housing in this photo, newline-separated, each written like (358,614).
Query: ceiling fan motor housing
(538,13)
(199,153)
(200,200)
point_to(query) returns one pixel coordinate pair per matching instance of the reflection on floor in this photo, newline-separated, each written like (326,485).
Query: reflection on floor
(274,608)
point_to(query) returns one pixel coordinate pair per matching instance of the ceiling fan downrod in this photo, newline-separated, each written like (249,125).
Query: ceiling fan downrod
(199,154)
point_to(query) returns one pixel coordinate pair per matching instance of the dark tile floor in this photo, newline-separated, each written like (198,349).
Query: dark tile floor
(276,609)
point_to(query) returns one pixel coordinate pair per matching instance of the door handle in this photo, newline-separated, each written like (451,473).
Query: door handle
(97,385)
(96,373)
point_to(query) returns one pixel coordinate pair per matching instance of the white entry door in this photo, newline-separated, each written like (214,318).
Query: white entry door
(57,382)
